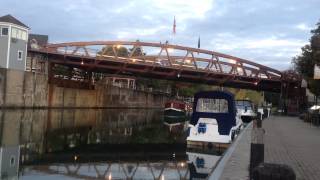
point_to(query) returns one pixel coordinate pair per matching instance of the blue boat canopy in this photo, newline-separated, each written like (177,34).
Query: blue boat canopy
(219,105)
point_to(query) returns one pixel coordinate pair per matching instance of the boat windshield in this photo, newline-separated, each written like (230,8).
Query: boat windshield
(212,105)
(244,104)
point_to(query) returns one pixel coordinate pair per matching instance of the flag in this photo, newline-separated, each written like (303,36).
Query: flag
(174,25)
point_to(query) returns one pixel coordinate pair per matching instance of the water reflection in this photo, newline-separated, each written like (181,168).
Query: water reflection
(201,165)
(101,144)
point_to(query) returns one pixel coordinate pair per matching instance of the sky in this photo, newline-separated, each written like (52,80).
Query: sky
(269,32)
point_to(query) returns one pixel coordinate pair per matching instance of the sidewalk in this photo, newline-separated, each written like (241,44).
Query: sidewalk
(289,140)
(235,163)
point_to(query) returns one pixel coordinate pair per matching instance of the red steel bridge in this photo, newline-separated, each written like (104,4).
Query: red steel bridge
(167,61)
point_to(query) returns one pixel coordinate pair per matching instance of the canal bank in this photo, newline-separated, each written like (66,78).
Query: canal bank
(21,89)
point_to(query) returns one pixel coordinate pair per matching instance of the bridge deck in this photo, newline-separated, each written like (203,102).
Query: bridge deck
(290,141)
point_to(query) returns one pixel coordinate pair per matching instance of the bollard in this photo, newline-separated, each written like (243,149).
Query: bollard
(268,171)
(259,123)
(257,145)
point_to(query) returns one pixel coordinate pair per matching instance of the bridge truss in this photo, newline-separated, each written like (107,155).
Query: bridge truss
(167,61)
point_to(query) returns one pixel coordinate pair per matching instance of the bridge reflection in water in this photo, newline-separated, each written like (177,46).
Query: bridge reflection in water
(98,144)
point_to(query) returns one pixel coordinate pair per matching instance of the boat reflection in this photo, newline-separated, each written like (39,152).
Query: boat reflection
(201,165)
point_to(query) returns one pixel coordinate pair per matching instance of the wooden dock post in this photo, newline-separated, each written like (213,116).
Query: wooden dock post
(257,145)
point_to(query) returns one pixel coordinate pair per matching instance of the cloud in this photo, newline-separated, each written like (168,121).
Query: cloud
(238,42)
(266,32)
(184,9)
(303,27)
(272,51)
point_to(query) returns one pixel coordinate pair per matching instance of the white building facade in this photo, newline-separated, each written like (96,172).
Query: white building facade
(13,43)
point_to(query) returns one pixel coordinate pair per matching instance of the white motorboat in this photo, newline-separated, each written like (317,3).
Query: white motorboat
(214,121)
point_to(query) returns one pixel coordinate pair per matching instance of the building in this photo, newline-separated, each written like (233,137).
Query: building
(36,64)
(121,81)
(13,43)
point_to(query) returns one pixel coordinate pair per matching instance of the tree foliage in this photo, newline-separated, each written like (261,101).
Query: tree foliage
(120,51)
(136,51)
(310,56)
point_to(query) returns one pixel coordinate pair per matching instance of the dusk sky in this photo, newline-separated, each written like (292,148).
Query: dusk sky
(269,32)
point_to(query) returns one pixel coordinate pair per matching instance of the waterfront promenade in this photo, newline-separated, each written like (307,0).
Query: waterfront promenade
(289,140)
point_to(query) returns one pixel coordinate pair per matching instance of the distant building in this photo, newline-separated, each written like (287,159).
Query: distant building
(13,43)
(121,81)
(36,64)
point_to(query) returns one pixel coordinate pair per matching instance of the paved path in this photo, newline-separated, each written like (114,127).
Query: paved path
(236,165)
(289,140)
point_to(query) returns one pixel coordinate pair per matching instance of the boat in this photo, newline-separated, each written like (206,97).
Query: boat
(175,109)
(214,122)
(245,110)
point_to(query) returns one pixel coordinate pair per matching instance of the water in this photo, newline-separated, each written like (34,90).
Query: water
(98,144)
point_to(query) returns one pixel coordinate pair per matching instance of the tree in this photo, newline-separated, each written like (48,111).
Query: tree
(137,51)
(305,62)
(120,50)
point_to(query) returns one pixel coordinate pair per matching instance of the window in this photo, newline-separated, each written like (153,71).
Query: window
(14,33)
(212,105)
(4,31)
(18,34)
(24,35)
(244,105)
(12,161)
(20,54)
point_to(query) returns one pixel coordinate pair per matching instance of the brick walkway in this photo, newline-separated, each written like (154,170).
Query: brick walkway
(289,140)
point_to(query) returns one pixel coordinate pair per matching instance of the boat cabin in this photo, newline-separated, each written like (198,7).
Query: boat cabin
(214,121)
(218,105)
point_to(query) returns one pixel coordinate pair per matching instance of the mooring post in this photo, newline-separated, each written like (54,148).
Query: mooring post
(257,145)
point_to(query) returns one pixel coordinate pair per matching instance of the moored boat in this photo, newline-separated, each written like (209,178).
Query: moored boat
(175,109)
(245,110)
(214,122)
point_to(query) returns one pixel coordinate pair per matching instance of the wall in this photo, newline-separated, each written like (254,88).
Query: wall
(15,46)
(3,49)
(19,89)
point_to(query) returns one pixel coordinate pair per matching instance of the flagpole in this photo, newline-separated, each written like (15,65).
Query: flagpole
(174,29)
(198,44)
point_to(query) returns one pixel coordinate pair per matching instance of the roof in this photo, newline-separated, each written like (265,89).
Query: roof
(10,19)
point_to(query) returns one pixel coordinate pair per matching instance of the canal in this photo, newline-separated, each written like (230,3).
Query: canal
(99,144)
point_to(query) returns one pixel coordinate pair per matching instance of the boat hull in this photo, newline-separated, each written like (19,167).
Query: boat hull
(170,112)
(247,119)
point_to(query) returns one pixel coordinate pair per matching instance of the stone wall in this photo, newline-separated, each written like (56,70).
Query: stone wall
(19,89)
